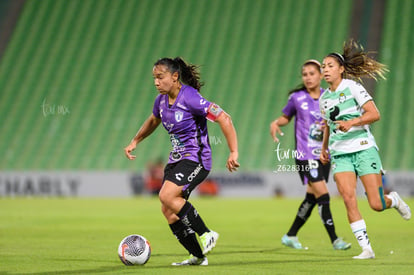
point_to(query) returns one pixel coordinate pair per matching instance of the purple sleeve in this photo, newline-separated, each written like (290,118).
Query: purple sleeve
(156,108)
(197,104)
(290,108)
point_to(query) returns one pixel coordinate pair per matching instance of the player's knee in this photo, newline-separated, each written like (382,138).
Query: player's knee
(349,200)
(164,197)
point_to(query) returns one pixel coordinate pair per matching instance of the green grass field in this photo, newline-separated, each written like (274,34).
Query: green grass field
(81,236)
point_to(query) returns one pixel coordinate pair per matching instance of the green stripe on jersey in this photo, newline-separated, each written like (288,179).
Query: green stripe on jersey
(361,133)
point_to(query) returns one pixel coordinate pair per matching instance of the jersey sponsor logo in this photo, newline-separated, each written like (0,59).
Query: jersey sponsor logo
(333,113)
(302,97)
(364,94)
(317,152)
(179,176)
(181,106)
(161,110)
(179,116)
(304,106)
(194,173)
(203,101)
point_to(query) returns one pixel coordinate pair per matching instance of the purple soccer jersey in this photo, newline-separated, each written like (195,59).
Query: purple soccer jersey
(186,124)
(308,127)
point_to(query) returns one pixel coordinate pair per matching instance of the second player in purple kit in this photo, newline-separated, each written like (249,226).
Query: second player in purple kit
(303,104)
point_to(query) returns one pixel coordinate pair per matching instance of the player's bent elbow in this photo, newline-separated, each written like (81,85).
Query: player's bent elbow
(378,117)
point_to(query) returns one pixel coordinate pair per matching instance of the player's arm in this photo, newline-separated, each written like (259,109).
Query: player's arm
(276,124)
(324,157)
(150,124)
(369,116)
(227,127)
(216,114)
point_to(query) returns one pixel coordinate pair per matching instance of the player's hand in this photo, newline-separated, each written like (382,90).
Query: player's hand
(232,163)
(324,156)
(128,150)
(343,126)
(274,128)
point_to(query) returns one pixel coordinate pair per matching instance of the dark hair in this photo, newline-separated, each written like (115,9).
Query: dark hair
(188,73)
(302,87)
(357,63)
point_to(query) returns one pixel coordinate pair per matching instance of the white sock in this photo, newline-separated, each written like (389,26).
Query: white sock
(359,229)
(393,201)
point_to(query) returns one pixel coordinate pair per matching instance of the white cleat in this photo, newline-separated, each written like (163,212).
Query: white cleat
(192,261)
(209,240)
(401,206)
(366,254)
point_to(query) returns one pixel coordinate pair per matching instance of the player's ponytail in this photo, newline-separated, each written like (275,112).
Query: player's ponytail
(188,73)
(357,63)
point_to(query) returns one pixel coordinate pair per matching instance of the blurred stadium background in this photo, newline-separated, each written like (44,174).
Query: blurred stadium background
(76,84)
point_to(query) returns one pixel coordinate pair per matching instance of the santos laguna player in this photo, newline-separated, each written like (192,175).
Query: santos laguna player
(349,110)
(184,112)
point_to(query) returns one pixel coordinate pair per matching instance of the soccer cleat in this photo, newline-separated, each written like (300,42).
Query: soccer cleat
(340,244)
(366,254)
(401,206)
(193,261)
(291,242)
(209,240)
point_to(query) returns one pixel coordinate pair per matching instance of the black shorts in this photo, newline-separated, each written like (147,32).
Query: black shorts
(313,170)
(185,173)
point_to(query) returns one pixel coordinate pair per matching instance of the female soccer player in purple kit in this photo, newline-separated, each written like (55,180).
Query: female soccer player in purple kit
(184,113)
(303,103)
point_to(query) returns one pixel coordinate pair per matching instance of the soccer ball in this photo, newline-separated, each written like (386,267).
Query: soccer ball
(134,250)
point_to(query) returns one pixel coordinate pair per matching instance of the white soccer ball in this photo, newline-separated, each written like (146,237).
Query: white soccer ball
(134,250)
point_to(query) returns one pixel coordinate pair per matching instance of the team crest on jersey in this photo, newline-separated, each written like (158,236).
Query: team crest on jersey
(179,116)
(342,98)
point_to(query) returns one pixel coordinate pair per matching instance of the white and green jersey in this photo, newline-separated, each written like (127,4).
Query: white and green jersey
(345,104)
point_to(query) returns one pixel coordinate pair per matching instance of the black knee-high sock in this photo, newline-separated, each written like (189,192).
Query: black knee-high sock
(190,217)
(186,236)
(304,211)
(326,215)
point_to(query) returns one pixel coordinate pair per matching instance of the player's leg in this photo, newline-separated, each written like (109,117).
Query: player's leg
(178,186)
(371,176)
(290,239)
(184,234)
(190,215)
(346,183)
(303,213)
(320,190)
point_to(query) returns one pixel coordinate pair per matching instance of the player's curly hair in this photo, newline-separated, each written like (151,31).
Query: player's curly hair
(188,73)
(357,63)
